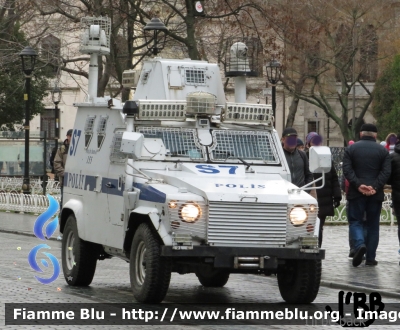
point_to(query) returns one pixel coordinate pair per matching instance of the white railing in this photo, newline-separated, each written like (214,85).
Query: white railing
(386,213)
(36,204)
(14,185)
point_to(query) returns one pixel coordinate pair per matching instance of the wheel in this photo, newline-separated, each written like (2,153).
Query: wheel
(299,281)
(211,277)
(150,273)
(79,257)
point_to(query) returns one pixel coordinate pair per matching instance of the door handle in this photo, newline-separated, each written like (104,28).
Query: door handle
(110,185)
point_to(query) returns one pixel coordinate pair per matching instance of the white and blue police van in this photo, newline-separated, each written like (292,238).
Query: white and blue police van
(179,180)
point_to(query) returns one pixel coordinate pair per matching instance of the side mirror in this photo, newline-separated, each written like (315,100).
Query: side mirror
(132,144)
(320,159)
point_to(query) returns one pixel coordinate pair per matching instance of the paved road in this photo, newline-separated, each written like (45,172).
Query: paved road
(111,282)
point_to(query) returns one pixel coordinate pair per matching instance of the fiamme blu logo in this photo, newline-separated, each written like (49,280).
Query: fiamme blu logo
(44,227)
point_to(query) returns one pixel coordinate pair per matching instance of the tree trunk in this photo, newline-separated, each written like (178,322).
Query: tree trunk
(190,30)
(105,77)
(295,102)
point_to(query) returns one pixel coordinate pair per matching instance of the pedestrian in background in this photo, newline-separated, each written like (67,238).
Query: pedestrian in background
(394,181)
(344,185)
(297,160)
(300,144)
(390,142)
(52,157)
(366,165)
(60,160)
(329,196)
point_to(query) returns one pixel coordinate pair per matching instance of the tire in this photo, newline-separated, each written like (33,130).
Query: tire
(79,257)
(299,281)
(212,278)
(150,273)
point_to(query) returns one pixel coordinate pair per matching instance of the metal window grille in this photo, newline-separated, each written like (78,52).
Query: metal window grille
(251,145)
(179,142)
(101,128)
(248,113)
(159,110)
(195,77)
(116,155)
(101,131)
(89,123)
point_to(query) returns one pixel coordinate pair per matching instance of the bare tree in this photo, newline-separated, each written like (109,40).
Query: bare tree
(186,24)
(125,52)
(190,32)
(329,48)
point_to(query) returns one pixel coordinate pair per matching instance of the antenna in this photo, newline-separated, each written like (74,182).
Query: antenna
(95,41)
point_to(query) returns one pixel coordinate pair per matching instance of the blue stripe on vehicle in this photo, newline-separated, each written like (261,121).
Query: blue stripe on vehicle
(65,179)
(91,182)
(150,194)
(147,193)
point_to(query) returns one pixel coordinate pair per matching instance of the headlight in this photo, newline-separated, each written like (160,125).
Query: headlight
(298,216)
(190,212)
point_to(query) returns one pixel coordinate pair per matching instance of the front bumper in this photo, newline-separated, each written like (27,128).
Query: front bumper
(227,257)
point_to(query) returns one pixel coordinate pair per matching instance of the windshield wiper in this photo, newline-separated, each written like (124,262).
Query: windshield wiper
(244,162)
(241,159)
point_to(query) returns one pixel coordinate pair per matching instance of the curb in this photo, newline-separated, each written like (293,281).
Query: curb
(25,234)
(356,288)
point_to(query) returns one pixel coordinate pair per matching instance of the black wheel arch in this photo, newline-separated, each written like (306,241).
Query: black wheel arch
(135,220)
(65,213)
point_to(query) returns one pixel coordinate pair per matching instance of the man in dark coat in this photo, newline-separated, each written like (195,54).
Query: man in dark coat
(366,165)
(330,195)
(394,181)
(296,159)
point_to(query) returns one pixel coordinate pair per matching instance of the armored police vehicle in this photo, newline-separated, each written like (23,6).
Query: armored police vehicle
(179,180)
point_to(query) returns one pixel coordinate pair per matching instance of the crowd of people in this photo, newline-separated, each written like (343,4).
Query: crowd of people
(367,168)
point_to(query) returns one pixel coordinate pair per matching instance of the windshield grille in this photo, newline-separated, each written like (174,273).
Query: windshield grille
(250,145)
(179,142)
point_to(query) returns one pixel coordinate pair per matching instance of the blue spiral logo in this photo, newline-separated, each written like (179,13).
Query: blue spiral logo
(51,227)
(44,217)
(32,261)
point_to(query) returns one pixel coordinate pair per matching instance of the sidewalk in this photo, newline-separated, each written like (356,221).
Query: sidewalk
(337,269)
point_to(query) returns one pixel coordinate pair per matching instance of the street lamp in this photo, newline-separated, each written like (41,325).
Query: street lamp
(155,31)
(56,98)
(274,69)
(28,58)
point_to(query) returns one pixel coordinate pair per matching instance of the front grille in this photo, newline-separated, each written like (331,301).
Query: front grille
(247,224)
